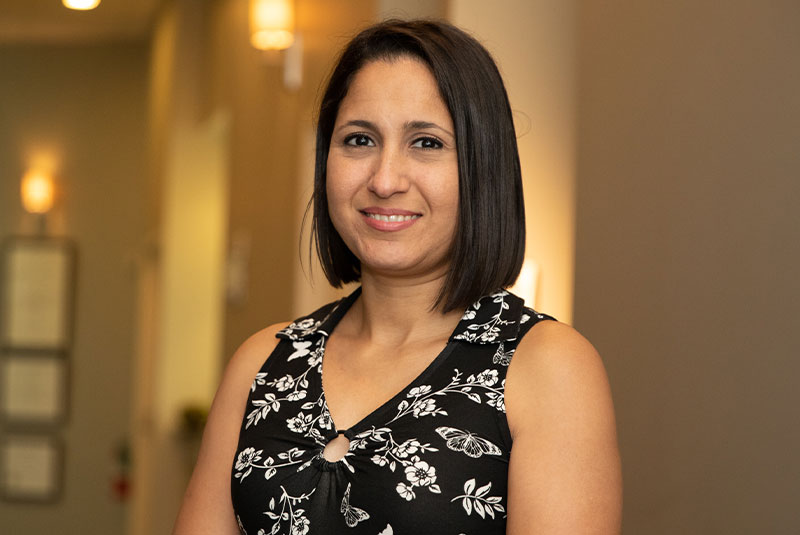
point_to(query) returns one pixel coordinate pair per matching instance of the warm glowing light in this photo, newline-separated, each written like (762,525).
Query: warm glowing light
(527,282)
(81,5)
(37,192)
(271,24)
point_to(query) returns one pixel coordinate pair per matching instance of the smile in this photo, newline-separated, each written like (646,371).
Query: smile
(390,218)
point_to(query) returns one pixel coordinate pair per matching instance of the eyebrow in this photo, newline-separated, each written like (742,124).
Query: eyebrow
(409,125)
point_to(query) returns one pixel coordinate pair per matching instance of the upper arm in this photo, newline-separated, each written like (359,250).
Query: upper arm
(207,506)
(564,473)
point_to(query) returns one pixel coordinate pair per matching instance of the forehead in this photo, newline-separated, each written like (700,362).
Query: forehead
(402,84)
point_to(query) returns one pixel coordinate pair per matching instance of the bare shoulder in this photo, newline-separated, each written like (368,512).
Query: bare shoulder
(252,354)
(552,363)
(564,473)
(207,507)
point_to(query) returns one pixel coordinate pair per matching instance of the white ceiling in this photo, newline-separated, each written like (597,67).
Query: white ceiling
(48,21)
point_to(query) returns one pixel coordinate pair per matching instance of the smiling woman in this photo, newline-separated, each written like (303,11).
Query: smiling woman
(430,400)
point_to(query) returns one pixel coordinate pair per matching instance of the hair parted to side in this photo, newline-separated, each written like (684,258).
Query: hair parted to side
(489,243)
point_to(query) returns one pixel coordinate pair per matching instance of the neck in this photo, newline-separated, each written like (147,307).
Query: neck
(398,311)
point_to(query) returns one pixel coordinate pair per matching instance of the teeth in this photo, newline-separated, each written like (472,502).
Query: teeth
(392,218)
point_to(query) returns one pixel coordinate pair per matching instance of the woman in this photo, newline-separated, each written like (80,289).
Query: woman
(425,424)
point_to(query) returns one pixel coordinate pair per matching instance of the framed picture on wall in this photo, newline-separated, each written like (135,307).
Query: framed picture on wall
(37,277)
(34,388)
(31,468)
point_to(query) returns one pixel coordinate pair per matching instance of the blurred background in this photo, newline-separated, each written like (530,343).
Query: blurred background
(660,145)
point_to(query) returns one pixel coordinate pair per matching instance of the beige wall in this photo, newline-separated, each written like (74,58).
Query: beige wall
(688,238)
(85,105)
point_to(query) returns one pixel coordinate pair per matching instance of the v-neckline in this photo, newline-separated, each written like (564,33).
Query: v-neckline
(395,399)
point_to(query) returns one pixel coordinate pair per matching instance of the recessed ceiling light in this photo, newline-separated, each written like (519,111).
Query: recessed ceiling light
(82,5)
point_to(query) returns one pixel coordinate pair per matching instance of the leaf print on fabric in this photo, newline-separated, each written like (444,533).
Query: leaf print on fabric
(300,329)
(258,381)
(390,453)
(299,524)
(387,530)
(498,399)
(425,407)
(468,443)
(248,459)
(478,501)
(309,425)
(418,391)
(352,515)
(488,331)
(262,409)
(290,388)
(424,404)
(409,447)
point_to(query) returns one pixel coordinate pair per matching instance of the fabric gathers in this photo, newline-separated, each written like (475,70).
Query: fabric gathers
(432,459)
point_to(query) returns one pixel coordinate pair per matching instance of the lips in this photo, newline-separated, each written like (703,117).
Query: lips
(389,219)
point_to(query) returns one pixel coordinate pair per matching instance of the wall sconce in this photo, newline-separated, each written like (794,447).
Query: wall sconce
(271,24)
(272,30)
(81,5)
(37,192)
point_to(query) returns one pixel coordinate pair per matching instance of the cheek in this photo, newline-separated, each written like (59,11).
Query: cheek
(337,191)
(446,192)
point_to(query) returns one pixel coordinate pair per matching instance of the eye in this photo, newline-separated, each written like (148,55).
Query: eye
(427,143)
(358,140)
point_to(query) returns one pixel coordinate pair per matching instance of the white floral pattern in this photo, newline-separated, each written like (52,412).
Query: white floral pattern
(478,500)
(447,424)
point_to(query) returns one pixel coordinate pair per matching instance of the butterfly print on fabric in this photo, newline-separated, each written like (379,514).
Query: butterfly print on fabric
(469,443)
(352,515)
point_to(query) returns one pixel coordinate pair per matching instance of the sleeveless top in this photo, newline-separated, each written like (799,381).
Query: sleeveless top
(432,459)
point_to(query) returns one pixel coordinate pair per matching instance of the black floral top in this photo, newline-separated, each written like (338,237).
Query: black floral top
(433,459)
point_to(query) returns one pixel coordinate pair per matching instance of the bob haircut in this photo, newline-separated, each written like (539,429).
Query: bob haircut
(489,243)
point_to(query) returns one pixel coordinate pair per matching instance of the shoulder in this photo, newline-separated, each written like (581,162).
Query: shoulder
(251,355)
(242,369)
(553,364)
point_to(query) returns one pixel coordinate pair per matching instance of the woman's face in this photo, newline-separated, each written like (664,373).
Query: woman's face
(392,171)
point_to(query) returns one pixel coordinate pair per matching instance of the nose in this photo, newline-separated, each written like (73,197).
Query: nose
(389,176)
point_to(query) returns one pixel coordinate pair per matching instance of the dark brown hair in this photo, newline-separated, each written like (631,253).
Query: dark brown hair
(489,243)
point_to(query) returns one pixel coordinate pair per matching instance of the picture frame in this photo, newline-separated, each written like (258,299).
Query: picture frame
(34,388)
(37,283)
(31,468)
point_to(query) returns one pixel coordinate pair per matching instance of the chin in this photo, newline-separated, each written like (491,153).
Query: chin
(416,267)
(400,260)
